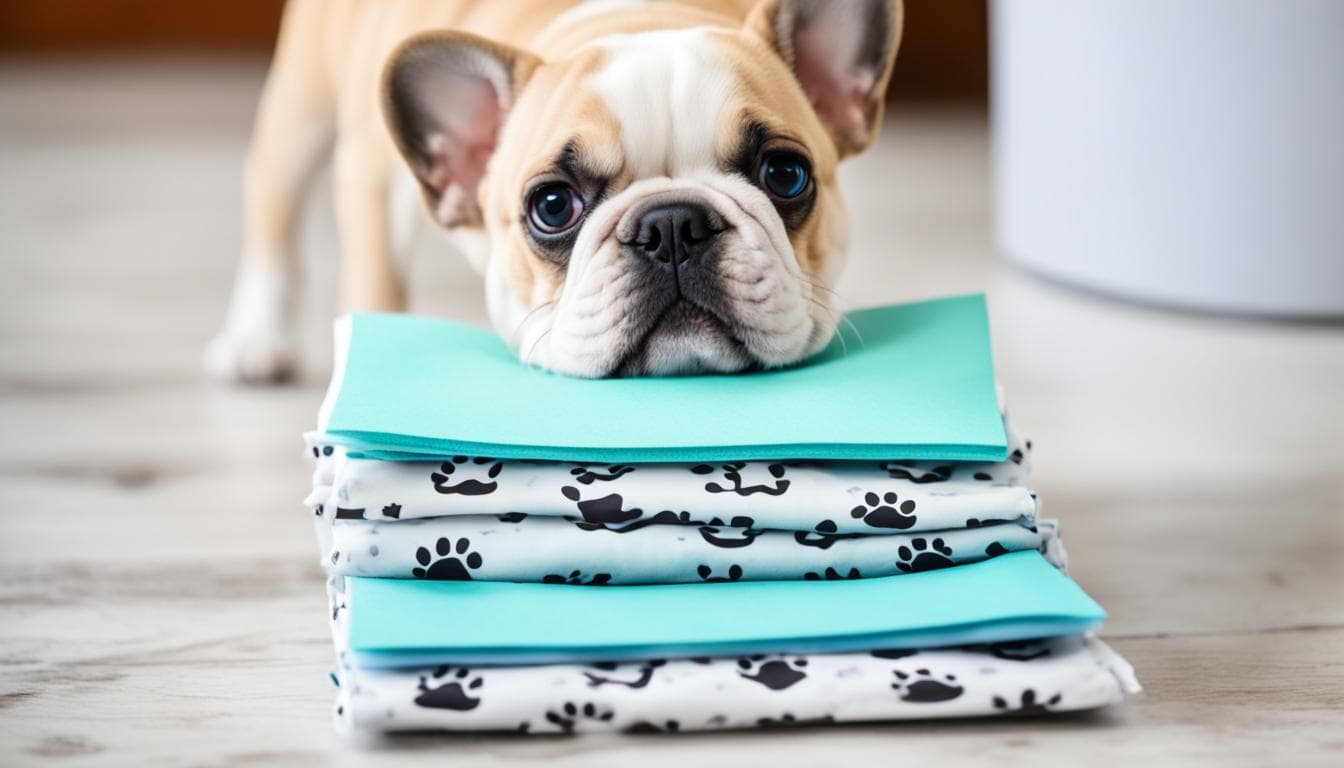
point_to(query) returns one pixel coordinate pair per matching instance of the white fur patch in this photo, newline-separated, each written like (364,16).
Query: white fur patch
(668,90)
(255,344)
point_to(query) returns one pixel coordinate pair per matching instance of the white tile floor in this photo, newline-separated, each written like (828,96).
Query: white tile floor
(159,599)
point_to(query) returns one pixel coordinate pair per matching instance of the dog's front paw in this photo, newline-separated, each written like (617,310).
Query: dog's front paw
(256,344)
(250,357)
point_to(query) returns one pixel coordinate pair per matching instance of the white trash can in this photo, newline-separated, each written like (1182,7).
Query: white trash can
(1181,152)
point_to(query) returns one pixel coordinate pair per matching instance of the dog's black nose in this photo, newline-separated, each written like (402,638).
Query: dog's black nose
(674,234)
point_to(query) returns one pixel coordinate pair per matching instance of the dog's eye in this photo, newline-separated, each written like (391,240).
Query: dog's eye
(554,208)
(784,174)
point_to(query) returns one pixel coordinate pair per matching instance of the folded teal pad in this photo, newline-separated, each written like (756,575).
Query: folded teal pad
(914,381)
(1011,597)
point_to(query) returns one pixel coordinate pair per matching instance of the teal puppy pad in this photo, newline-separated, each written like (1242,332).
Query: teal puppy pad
(1016,596)
(914,381)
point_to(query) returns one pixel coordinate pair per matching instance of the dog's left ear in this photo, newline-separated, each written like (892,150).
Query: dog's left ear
(445,98)
(842,52)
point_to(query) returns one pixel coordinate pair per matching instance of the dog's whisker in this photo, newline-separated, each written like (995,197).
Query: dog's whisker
(843,318)
(844,346)
(853,328)
(527,359)
(518,331)
(837,316)
(821,287)
(804,277)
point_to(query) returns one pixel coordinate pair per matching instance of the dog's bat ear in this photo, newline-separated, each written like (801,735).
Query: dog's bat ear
(842,52)
(445,98)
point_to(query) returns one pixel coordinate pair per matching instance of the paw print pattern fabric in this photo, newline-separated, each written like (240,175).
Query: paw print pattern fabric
(478,518)
(757,691)
(557,550)
(820,498)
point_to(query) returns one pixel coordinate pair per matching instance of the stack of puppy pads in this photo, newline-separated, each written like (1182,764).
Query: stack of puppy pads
(615,563)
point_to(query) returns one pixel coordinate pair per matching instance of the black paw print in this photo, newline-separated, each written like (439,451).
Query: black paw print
(707,574)
(571,713)
(976,522)
(939,474)
(470,486)
(512,517)
(337,606)
(450,565)
(1027,705)
(923,555)
(576,578)
(830,574)
(775,674)
(606,510)
(644,726)
(583,474)
(893,653)
(734,538)
(452,694)
(881,512)
(392,510)
(923,688)
(1013,650)
(732,472)
(645,675)
(787,720)
(825,536)
(736,521)
(666,517)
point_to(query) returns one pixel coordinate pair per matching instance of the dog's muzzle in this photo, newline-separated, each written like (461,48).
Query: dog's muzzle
(673,245)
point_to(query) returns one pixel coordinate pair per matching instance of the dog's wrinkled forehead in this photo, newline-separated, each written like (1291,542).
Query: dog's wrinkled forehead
(667,103)
(668,90)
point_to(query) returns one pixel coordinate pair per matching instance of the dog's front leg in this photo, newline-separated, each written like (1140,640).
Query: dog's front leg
(371,279)
(291,137)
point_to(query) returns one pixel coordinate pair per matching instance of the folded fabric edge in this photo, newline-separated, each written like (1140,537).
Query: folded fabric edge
(992,631)
(544,550)
(1053,599)
(346,488)
(398,447)
(1031,677)
(340,332)
(1116,664)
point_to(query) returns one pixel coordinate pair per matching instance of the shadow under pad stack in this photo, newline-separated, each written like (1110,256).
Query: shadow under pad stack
(509,549)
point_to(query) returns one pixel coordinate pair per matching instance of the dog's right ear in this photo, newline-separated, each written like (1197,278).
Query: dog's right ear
(842,53)
(445,97)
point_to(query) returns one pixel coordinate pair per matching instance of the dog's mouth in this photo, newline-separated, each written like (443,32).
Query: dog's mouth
(685,338)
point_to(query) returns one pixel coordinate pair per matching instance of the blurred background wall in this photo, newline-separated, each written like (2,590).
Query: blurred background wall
(944,56)
(1172,152)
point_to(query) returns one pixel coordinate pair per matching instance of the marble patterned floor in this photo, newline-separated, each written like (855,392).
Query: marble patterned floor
(160,600)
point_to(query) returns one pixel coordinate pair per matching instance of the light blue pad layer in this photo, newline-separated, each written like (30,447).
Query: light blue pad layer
(917,382)
(1012,597)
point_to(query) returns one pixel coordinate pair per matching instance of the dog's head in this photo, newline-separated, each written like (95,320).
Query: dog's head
(656,201)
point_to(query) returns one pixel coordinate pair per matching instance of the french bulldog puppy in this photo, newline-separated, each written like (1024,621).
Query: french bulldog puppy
(648,187)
